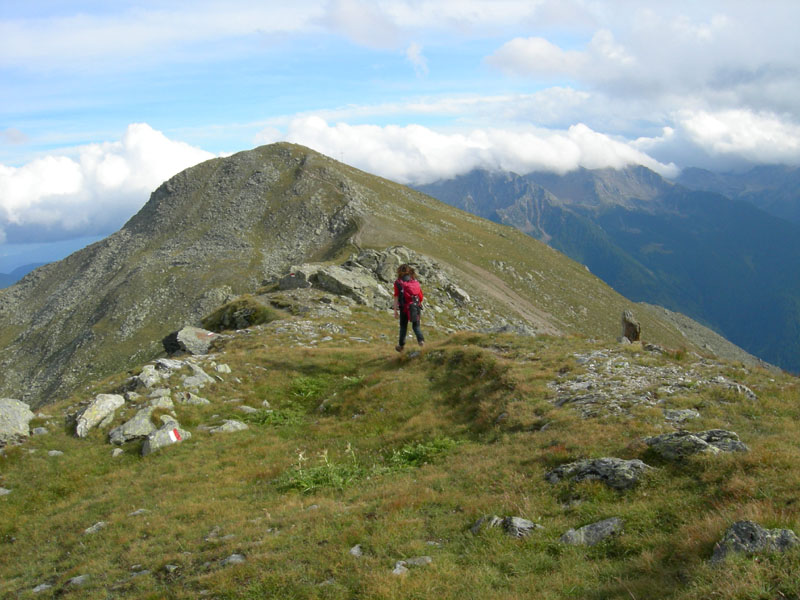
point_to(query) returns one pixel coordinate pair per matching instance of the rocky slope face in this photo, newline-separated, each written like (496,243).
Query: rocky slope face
(225,226)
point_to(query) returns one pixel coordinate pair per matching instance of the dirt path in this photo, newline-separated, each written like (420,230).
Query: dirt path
(492,286)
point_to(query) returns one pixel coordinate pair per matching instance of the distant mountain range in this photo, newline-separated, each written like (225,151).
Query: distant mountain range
(773,188)
(723,261)
(7,279)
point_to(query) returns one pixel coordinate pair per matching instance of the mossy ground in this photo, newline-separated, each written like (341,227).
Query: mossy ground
(406,453)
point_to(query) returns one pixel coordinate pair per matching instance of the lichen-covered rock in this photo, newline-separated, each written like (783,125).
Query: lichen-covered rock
(140,426)
(190,398)
(616,473)
(15,417)
(593,534)
(674,415)
(679,445)
(298,277)
(748,537)
(170,433)
(99,413)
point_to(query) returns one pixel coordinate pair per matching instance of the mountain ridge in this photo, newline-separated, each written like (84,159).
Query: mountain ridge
(224,227)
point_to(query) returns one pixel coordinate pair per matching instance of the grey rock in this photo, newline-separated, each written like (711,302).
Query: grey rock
(95,528)
(630,326)
(55,453)
(224,369)
(199,379)
(359,285)
(40,431)
(457,294)
(357,551)
(247,409)
(400,568)
(681,444)
(190,398)
(78,581)
(419,561)
(15,417)
(171,568)
(168,364)
(161,392)
(116,452)
(748,537)
(149,377)
(616,473)
(99,412)
(229,426)
(234,559)
(138,512)
(170,433)
(42,587)
(591,535)
(139,427)
(4,491)
(193,340)
(299,277)
(162,402)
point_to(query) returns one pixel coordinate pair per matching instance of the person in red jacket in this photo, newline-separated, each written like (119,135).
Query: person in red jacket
(408,304)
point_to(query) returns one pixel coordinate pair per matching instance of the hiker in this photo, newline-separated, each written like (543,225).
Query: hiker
(408,301)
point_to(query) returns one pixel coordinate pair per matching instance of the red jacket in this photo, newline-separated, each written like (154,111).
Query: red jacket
(409,289)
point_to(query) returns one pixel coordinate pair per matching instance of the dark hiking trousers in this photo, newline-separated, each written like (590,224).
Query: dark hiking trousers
(404,329)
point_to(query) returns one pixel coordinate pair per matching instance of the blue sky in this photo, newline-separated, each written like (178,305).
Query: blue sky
(102,101)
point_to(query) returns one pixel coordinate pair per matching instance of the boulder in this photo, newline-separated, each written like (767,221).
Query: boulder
(199,378)
(675,415)
(591,535)
(15,417)
(358,284)
(99,413)
(630,326)
(679,445)
(189,339)
(140,426)
(170,433)
(616,473)
(299,277)
(748,537)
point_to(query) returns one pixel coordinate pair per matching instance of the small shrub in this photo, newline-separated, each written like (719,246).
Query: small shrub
(291,414)
(420,453)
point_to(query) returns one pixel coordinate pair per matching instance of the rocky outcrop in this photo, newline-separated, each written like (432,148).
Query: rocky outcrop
(680,445)
(616,473)
(169,433)
(99,413)
(139,427)
(631,329)
(593,534)
(747,537)
(15,417)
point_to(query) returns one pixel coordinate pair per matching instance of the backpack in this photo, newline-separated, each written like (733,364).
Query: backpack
(409,297)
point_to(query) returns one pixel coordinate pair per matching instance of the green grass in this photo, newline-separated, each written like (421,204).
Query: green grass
(401,455)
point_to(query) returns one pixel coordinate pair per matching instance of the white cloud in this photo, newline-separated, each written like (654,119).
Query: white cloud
(417,59)
(757,137)
(363,22)
(93,191)
(417,154)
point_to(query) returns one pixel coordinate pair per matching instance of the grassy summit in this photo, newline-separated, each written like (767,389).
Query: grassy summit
(400,456)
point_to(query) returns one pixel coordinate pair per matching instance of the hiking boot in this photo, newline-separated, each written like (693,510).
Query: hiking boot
(421,343)
(399,348)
